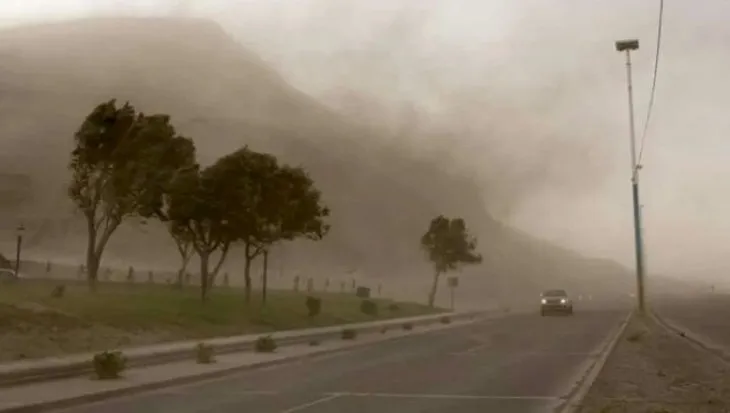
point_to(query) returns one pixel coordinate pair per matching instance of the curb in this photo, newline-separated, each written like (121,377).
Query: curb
(178,381)
(694,339)
(574,400)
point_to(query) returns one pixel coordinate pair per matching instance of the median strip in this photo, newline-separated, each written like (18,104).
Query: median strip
(654,369)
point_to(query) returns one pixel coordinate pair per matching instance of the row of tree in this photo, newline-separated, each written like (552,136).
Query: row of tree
(126,164)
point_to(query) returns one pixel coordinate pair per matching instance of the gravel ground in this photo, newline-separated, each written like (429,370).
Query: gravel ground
(654,371)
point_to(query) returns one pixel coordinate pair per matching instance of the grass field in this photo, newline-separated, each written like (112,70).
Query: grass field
(33,323)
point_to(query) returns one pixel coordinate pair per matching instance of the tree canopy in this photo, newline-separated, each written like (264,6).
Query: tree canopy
(448,245)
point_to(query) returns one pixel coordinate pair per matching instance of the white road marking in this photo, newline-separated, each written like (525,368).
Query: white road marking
(301,407)
(443,396)
(183,390)
(472,350)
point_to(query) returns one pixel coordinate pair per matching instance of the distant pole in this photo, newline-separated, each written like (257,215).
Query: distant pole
(19,244)
(627,46)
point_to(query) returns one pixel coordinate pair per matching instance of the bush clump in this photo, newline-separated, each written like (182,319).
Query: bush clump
(383,330)
(408,326)
(58,291)
(349,334)
(369,307)
(445,320)
(314,342)
(314,306)
(265,344)
(393,307)
(204,354)
(109,364)
(635,336)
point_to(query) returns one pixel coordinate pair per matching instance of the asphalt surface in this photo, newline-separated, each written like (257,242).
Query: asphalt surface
(707,315)
(517,363)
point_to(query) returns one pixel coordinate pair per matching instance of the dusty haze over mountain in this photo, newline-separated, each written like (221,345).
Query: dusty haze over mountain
(527,97)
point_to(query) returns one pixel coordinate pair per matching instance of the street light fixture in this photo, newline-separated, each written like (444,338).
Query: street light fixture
(628,46)
(19,236)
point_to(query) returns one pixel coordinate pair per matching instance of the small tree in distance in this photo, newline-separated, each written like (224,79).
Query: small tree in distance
(448,246)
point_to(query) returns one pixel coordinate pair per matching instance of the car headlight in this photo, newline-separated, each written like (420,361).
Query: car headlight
(563,301)
(544,301)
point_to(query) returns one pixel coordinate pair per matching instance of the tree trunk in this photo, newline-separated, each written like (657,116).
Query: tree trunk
(434,288)
(265,279)
(217,268)
(247,273)
(204,275)
(181,273)
(95,248)
(92,263)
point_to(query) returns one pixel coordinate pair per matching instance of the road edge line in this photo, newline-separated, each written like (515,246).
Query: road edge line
(694,339)
(99,396)
(574,400)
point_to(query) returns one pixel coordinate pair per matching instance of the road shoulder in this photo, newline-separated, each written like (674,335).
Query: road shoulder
(655,370)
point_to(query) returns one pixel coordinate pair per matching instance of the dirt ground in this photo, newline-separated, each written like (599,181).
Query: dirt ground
(653,370)
(35,324)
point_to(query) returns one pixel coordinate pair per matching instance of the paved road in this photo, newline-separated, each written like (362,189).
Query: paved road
(520,363)
(707,315)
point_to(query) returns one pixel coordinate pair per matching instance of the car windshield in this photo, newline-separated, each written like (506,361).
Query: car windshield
(555,293)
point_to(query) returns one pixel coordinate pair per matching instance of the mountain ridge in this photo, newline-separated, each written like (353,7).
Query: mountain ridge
(224,97)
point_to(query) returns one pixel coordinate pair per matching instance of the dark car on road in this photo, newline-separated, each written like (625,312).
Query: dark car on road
(555,302)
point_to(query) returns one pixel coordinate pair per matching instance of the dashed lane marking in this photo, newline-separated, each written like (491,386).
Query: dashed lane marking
(443,396)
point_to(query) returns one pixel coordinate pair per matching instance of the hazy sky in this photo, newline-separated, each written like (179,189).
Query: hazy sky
(536,82)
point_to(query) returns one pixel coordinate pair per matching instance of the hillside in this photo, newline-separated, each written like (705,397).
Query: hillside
(223,96)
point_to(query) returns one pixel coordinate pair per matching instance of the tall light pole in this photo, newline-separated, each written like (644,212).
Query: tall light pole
(627,46)
(19,242)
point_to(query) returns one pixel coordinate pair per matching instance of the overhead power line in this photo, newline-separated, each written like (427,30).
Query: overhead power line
(652,94)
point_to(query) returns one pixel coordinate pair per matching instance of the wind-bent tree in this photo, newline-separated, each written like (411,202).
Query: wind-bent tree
(290,209)
(247,179)
(448,246)
(121,165)
(198,210)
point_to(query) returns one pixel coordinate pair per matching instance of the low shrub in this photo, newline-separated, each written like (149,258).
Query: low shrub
(204,353)
(314,306)
(635,336)
(408,326)
(58,291)
(383,330)
(393,307)
(445,320)
(109,364)
(314,342)
(265,344)
(369,307)
(349,334)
